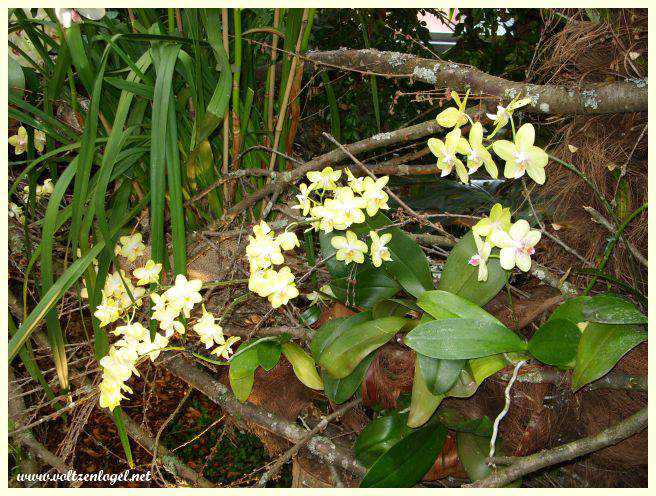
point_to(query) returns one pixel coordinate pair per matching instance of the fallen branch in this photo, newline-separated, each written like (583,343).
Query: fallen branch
(590,98)
(420,218)
(220,394)
(335,156)
(291,452)
(528,464)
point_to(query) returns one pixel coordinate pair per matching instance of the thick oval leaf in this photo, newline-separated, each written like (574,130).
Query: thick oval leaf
(555,343)
(268,354)
(473,445)
(391,307)
(242,370)
(303,366)
(439,375)
(310,315)
(409,265)
(483,367)
(423,403)
(611,309)
(405,463)
(571,310)
(463,338)
(340,390)
(379,436)
(446,305)
(600,348)
(365,287)
(332,329)
(341,357)
(460,278)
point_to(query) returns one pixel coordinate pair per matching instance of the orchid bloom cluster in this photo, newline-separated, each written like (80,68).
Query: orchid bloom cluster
(516,241)
(19,141)
(264,251)
(120,296)
(329,206)
(521,156)
(16,212)
(41,191)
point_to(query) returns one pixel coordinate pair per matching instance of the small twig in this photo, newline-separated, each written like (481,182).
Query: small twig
(405,206)
(546,458)
(277,464)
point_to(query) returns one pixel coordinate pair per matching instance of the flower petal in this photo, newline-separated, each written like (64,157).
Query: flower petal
(519,229)
(525,136)
(507,258)
(435,145)
(523,261)
(536,172)
(476,135)
(504,149)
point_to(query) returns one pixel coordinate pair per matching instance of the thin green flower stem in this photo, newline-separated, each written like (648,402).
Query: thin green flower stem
(613,242)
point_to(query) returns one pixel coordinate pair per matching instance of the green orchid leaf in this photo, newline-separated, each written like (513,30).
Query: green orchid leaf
(555,343)
(268,354)
(340,390)
(611,309)
(462,338)
(341,357)
(242,372)
(439,375)
(600,348)
(332,329)
(303,365)
(379,436)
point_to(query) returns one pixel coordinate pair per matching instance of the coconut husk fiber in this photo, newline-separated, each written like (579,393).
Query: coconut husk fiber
(604,147)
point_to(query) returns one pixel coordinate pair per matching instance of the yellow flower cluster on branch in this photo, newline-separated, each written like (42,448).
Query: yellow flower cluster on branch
(521,155)
(169,308)
(516,241)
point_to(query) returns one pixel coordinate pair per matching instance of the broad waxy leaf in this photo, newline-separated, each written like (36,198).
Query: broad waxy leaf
(16,77)
(600,348)
(340,390)
(611,309)
(341,357)
(379,436)
(393,306)
(303,365)
(571,310)
(461,278)
(409,265)
(423,403)
(463,338)
(332,329)
(439,375)
(242,372)
(365,287)
(446,305)
(555,343)
(405,463)
(483,367)
(268,354)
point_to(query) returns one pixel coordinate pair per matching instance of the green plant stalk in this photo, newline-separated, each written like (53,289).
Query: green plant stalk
(613,242)
(335,125)
(372,79)
(236,77)
(175,194)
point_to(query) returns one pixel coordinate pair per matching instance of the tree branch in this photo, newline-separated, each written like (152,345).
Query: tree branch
(546,458)
(591,98)
(220,394)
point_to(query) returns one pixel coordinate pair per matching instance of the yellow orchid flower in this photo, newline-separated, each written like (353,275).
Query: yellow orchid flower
(503,114)
(499,220)
(446,150)
(476,153)
(452,116)
(517,245)
(19,141)
(522,156)
(349,248)
(379,251)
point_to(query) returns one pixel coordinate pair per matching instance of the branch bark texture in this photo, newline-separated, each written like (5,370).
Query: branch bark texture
(589,98)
